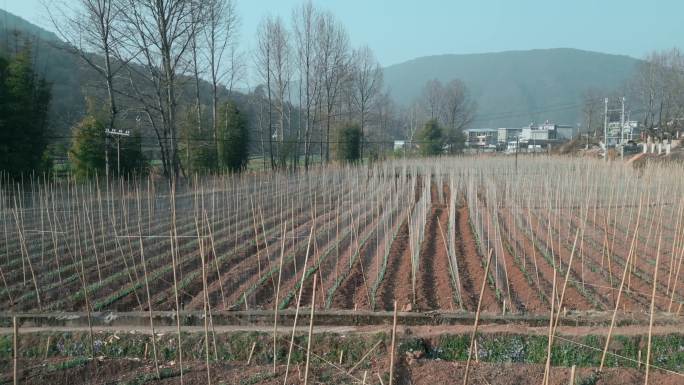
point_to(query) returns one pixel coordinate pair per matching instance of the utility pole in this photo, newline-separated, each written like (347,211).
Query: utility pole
(107,156)
(605,128)
(118,134)
(622,122)
(517,145)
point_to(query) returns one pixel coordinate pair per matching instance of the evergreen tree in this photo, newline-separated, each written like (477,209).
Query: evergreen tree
(24,102)
(233,138)
(196,148)
(348,143)
(133,160)
(87,153)
(455,141)
(431,138)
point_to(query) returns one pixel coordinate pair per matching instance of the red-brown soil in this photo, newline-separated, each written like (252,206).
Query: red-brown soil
(573,299)
(525,298)
(471,267)
(397,282)
(433,283)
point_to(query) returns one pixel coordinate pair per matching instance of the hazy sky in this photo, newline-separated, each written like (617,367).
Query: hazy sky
(400,30)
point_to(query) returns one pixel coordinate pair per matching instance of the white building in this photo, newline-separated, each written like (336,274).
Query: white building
(547,132)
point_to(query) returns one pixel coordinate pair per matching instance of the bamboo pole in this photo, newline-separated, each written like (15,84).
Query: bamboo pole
(47,348)
(652,311)
(299,301)
(350,371)
(275,303)
(15,343)
(149,304)
(24,250)
(173,239)
(311,323)
(454,270)
(394,336)
(619,295)
(216,264)
(204,299)
(572,375)
(565,283)
(477,317)
(547,365)
(674,284)
(251,353)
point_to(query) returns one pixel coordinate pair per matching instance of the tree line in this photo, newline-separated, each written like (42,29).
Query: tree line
(171,67)
(654,95)
(24,103)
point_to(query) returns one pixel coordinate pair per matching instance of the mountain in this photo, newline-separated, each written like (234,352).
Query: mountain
(11,22)
(72,81)
(517,87)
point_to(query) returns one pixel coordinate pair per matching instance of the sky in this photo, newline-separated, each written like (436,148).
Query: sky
(401,30)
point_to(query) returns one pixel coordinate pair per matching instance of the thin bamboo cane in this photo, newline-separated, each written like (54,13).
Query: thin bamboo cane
(392,348)
(299,301)
(275,303)
(310,336)
(652,310)
(547,365)
(622,284)
(477,317)
(15,345)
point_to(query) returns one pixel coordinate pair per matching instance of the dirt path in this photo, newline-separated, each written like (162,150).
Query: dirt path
(415,331)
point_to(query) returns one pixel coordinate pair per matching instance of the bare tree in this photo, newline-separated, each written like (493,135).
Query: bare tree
(432,98)
(333,62)
(263,57)
(198,19)
(91,30)
(304,25)
(367,84)
(220,38)
(281,68)
(658,88)
(457,107)
(160,33)
(592,109)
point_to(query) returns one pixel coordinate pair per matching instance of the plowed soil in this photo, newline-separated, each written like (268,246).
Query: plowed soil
(433,284)
(397,282)
(471,266)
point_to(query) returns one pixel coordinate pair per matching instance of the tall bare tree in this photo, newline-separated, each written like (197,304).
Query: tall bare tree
(281,68)
(367,84)
(160,34)
(333,65)
(263,57)
(220,38)
(304,28)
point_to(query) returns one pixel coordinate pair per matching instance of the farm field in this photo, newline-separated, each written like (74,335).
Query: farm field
(515,243)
